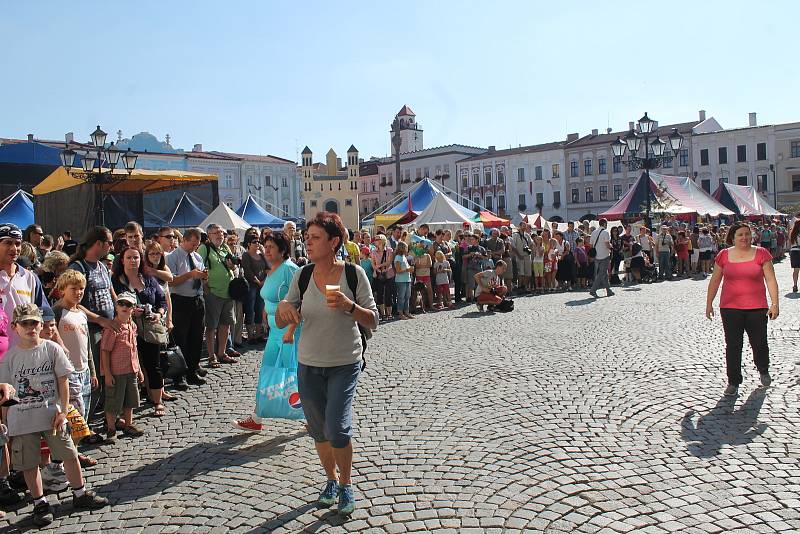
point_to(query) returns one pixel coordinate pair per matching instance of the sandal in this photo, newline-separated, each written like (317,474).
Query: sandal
(132,431)
(226,359)
(213,363)
(159,411)
(233,353)
(169,398)
(86,461)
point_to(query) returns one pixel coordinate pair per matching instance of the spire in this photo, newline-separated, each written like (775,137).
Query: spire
(352,149)
(406,111)
(306,150)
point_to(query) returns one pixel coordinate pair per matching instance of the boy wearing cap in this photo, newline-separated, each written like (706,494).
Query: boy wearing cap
(39,370)
(119,365)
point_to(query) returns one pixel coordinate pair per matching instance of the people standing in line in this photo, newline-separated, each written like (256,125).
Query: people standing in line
(272,291)
(329,352)
(402,280)
(254,267)
(743,269)
(219,308)
(521,248)
(665,247)
(601,241)
(383,276)
(134,235)
(167,237)
(186,290)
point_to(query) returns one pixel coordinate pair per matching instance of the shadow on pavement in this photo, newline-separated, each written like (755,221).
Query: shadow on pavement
(724,425)
(328,519)
(581,302)
(792,296)
(189,463)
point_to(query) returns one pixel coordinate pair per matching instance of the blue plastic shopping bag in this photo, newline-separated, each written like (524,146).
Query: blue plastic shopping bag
(277,395)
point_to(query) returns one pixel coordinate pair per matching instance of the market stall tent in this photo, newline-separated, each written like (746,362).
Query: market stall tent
(226,218)
(669,195)
(186,214)
(254,214)
(17,209)
(445,213)
(490,220)
(744,200)
(416,199)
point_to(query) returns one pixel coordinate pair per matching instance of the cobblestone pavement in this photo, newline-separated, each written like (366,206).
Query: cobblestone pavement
(568,415)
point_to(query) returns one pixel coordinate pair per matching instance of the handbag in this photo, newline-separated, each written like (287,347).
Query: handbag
(592,249)
(382,274)
(154,332)
(173,364)
(277,395)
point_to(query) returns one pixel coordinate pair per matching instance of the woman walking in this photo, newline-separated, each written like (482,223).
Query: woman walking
(742,269)
(329,352)
(273,290)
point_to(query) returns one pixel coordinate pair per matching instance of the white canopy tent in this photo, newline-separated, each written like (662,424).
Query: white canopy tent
(226,218)
(447,214)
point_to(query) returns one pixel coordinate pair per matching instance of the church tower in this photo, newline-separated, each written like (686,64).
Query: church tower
(306,179)
(410,132)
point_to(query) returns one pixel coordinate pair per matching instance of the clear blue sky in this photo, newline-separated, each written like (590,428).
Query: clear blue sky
(270,77)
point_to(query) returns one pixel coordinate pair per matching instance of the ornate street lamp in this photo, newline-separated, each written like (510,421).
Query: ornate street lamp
(97,167)
(655,151)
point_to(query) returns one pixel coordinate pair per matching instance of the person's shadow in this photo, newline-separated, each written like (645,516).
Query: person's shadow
(724,425)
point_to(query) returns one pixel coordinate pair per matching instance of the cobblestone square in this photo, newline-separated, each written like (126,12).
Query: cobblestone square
(567,415)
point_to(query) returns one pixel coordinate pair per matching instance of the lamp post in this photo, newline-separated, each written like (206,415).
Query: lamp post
(97,167)
(774,185)
(396,142)
(654,156)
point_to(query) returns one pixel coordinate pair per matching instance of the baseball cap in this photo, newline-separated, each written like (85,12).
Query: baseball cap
(127,296)
(27,312)
(9,230)
(110,257)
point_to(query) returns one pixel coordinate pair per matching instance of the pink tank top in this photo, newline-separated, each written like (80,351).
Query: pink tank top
(743,286)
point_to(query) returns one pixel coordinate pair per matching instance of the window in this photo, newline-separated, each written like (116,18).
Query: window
(488,204)
(313,203)
(617,162)
(603,193)
(724,178)
(617,191)
(539,199)
(302,206)
(667,161)
(601,165)
(487,176)
(268,180)
(407,176)
(761,180)
(285,209)
(348,202)
(464,181)
(477,202)
(706,185)
(741,153)
(704,156)
(374,186)
(684,157)
(723,155)
(761,151)
(521,174)
(284,182)
(741,180)
(795,183)
(419,174)
(476,179)
(556,199)
(587,167)
(426,172)
(501,176)
(795,149)
(589,195)
(228,184)
(521,199)
(556,170)
(573,169)
(538,170)
(575,195)
(501,202)
(446,168)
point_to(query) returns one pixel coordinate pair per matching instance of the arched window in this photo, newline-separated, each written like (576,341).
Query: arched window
(332,206)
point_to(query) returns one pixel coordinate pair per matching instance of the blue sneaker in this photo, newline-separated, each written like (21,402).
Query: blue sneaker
(347,501)
(328,495)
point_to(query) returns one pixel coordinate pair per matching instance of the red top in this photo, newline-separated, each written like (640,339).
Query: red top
(122,346)
(743,285)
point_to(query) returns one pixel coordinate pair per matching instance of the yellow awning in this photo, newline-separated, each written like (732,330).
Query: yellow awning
(382,220)
(140,180)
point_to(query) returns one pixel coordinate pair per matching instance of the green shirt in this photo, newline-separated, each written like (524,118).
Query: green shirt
(218,274)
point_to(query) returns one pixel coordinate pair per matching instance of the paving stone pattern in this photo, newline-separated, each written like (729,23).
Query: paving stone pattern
(568,415)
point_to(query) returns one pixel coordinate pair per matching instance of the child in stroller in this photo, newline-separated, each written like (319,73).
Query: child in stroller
(641,267)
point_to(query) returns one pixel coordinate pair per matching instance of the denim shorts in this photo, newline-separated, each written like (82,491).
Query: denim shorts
(80,391)
(327,396)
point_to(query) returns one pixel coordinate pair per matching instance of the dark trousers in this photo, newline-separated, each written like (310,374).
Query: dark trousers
(98,393)
(457,279)
(385,293)
(188,316)
(150,359)
(736,323)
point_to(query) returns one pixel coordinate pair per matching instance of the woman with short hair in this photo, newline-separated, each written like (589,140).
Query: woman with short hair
(742,269)
(329,351)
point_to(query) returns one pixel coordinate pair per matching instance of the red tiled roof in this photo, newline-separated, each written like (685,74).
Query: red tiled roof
(607,138)
(519,150)
(406,111)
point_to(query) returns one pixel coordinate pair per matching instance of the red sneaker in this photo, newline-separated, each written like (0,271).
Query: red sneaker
(248,425)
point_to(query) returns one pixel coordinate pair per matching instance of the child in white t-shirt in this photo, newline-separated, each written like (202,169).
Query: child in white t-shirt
(442,270)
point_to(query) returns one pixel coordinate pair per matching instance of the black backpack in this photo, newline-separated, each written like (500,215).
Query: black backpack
(506,306)
(352,283)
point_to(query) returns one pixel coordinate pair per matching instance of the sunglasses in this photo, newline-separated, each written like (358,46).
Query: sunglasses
(124,304)
(169,236)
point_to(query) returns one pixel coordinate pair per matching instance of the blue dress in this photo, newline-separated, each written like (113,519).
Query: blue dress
(275,287)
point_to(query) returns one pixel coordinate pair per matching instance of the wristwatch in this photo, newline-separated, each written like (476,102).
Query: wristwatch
(351,310)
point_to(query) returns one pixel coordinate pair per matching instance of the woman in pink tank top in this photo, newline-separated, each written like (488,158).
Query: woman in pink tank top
(743,269)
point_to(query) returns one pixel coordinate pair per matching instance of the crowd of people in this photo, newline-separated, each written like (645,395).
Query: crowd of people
(84,325)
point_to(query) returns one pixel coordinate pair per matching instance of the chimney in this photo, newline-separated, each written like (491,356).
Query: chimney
(30,138)
(69,137)
(752,118)
(630,125)
(594,132)
(702,115)
(608,130)
(572,137)
(197,148)
(491,149)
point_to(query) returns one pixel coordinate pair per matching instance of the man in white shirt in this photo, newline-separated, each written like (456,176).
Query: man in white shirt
(601,241)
